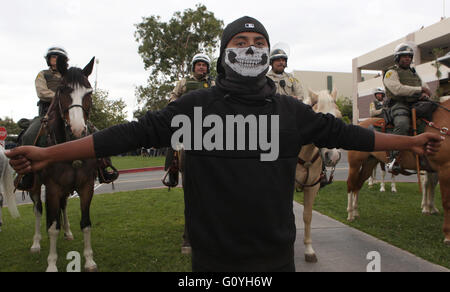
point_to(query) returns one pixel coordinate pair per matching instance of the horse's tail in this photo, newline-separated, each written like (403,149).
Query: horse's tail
(7,181)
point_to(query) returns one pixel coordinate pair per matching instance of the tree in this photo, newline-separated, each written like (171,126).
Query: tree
(11,127)
(106,113)
(345,105)
(167,49)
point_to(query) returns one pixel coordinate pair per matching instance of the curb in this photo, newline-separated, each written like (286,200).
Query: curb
(138,170)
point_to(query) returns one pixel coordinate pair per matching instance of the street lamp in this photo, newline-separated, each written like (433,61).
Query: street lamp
(97,61)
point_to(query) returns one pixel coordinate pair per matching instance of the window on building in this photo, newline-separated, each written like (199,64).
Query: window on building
(330,83)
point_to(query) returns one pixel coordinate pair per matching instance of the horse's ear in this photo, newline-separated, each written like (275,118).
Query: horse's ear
(87,71)
(314,96)
(61,65)
(334,94)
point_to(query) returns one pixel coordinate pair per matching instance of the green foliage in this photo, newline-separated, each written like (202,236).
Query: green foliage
(106,113)
(345,105)
(11,127)
(167,49)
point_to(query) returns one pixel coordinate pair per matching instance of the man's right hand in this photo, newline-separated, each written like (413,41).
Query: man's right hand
(426,91)
(27,159)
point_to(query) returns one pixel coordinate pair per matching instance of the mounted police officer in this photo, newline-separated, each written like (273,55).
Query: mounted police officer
(47,83)
(377,106)
(403,88)
(199,79)
(286,83)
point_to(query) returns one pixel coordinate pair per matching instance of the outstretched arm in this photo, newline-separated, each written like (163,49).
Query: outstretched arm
(427,143)
(31,159)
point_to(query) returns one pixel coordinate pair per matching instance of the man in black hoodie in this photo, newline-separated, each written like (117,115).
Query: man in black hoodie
(239,187)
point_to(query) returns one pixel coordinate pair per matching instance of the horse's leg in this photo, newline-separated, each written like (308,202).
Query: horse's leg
(383,180)
(66,225)
(424,205)
(37,208)
(1,207)
(433,180)
(360,170)
(53,208)
(444,174)
(372,178)
(393,185)
(86,193)
(309,196)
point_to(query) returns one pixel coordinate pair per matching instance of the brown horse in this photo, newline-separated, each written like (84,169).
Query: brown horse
(66,120)
(361,166)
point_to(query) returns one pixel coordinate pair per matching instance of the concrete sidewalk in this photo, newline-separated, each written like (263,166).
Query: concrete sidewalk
(340,248)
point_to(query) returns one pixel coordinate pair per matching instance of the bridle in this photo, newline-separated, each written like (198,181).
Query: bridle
(323,176)
(69,136)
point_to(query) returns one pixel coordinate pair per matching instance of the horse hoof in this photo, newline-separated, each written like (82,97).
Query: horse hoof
(426,212)
(35,250)
(52,269)
(93,269)
(311,258)
(68,237)
(186,250)
(435,212)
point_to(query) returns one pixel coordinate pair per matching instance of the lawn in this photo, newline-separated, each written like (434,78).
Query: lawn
(394,218)
(132,232)
(134,162)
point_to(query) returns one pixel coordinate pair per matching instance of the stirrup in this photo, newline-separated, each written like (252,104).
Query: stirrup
(107,177)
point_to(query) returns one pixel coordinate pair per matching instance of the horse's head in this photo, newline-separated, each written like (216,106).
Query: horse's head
(325,103)
(74,98)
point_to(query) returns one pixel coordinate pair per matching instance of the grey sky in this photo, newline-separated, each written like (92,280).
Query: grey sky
(324,35)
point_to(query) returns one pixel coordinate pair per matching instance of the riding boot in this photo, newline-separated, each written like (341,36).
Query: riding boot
(25,183)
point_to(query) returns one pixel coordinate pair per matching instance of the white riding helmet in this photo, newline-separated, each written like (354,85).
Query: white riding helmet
(55,51)
(379,90)
(201,58)
(402,50)
(278,54)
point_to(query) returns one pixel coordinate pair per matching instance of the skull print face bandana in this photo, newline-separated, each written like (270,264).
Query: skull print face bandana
(248,62)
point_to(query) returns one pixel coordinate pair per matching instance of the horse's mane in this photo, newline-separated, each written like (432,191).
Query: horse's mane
(75,76)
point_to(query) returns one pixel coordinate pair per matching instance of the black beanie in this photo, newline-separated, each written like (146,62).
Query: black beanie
(243,24)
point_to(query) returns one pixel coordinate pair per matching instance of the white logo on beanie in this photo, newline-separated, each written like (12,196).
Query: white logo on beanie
(249,25)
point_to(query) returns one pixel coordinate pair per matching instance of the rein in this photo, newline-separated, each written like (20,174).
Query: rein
(308,165)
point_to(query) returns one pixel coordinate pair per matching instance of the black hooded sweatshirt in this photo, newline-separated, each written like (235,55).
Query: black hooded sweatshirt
(239,210)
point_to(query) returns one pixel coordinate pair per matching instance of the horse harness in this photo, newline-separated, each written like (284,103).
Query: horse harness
(323,175)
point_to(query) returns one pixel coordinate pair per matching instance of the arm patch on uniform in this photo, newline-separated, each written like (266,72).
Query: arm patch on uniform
(389,74)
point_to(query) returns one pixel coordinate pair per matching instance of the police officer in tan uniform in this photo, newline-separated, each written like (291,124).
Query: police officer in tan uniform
(286,83)
(199,78)
(404,88)
(377,106)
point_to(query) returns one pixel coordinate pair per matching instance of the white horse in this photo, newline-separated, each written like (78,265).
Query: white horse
(383,180)
(7,187)
(311,160)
